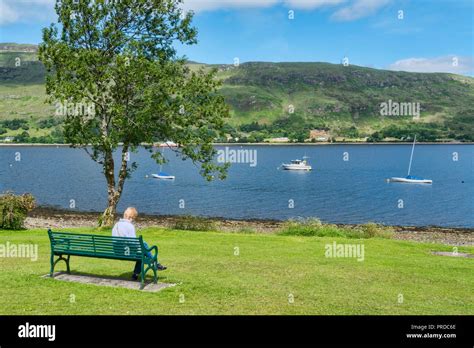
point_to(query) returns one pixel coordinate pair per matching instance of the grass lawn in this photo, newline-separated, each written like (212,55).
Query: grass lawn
(267,273)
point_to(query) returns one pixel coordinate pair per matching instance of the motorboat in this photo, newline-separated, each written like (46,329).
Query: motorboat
(297,165)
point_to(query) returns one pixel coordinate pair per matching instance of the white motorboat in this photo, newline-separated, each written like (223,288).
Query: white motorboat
(163,175)
(168,144)
(297,165)
(411,179)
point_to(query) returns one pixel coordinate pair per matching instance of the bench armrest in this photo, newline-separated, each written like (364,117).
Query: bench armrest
(153,248)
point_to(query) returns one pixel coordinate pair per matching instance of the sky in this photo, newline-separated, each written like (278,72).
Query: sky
(408,35)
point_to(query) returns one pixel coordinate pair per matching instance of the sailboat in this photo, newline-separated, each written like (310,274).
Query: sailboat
(411,179)
(162,175)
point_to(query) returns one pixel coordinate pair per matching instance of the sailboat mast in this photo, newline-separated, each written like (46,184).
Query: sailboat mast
(411,156)
(162,156)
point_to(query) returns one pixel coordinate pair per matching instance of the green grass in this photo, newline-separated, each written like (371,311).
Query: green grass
(24,102)
(314,228)
(259,280)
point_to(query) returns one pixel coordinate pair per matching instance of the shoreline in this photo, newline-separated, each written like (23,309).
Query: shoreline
(50,217)
(266,144)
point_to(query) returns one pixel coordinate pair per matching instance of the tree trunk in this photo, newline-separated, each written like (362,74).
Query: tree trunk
(114,193)
(108,217)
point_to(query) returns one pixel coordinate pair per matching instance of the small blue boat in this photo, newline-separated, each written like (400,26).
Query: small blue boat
(163,175)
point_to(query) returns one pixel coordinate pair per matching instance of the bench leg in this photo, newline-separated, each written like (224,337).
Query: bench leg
(67,264)
(142,277)
(51,270)
(155,276)
(53,263)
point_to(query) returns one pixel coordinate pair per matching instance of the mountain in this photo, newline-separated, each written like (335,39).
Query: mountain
(270,100)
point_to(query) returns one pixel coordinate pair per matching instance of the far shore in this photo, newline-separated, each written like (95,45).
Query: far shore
(268,144)
(55,218)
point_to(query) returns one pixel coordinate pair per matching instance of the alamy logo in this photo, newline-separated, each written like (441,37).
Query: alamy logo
(392,108)
(345,250)
(19,250)
(75,109)
(228,155)
(37,331)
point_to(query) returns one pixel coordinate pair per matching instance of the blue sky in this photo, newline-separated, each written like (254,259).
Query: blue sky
(433,35)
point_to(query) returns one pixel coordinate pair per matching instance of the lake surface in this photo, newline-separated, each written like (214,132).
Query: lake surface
(347,184)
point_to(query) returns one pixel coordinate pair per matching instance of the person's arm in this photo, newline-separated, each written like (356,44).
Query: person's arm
(114,231)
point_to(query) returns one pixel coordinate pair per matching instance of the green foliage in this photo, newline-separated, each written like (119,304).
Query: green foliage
(21,67)
(371,230)
(194,223)
(312,227)
(350,132)
(13,210)
(15,124)
(49,122)
(140,90)
(118,58)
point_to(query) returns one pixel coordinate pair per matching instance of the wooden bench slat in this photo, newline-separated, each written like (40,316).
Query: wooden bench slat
(118,245)
(103,256)
(116,248)
(103,249)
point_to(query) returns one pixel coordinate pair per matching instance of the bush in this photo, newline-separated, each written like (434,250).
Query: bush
(370,230)
(194,223)
(313,227)
(310,227)
(13,210)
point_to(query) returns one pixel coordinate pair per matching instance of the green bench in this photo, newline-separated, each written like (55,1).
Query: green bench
(105,247)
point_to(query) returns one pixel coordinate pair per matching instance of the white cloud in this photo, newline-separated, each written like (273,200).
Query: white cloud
(7,13)
(208,5)
(12,11)
(449,64)
(359,9)
(311,4)
(353,9)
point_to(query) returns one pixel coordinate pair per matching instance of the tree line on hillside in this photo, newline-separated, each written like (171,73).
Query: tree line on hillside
(296,129)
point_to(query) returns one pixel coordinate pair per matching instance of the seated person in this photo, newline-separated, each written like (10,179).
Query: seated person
(125,228)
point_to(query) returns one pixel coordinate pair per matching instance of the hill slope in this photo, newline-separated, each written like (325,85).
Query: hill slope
(278,100)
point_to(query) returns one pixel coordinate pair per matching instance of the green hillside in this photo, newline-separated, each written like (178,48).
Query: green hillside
(276,100)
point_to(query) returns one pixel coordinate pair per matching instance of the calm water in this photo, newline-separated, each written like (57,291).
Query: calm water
(353,191)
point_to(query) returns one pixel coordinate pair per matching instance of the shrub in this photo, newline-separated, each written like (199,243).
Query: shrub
(371,229)
(194,223)
(13,210)
(310,227)
(313,227)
